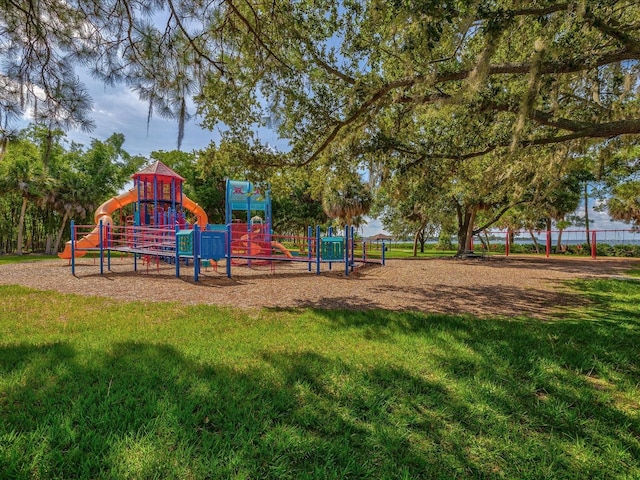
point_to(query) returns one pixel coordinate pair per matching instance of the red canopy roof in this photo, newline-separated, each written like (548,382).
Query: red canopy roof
(157,169)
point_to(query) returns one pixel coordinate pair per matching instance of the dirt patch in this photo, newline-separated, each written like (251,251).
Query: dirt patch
(532,286)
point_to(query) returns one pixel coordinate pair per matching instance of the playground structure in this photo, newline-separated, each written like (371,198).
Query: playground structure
(157,230)
(157,197)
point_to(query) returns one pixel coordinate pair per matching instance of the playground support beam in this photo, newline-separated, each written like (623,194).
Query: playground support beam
(228,245)
(196,252)
(346,250)
(317,249)
(101,249)
(330,235)
(177,229)
(353,251)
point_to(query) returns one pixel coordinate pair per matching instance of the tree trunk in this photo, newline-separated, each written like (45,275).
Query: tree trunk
(485,241)
(559,243)
(472,220)
(465,231)
(4,140)
(535,241)
(48,244)
(419,238)
(23,212)
(56,246)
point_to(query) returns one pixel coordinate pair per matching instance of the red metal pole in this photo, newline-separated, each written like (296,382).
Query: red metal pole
(593,245)
(548,248)
(506,244)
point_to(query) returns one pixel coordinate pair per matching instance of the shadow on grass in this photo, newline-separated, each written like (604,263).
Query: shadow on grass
(440,397)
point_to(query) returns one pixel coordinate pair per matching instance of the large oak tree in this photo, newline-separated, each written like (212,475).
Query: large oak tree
(345,81)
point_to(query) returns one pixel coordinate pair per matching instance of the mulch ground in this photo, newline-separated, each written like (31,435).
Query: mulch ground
(514,286)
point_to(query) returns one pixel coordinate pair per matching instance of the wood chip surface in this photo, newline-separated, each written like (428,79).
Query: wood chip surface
(499,286)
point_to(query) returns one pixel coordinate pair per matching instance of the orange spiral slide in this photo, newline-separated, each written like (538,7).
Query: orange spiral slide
(104,211)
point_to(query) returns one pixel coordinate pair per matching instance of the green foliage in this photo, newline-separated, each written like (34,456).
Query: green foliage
(346,200)
(39,197)
(164,390)
(295,209)
(625,203)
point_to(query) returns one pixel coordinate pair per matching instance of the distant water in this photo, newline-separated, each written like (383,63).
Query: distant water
(568,238)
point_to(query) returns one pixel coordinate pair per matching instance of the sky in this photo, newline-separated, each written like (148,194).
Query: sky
(118,110)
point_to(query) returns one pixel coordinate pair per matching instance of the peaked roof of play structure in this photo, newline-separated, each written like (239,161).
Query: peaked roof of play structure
(157,169)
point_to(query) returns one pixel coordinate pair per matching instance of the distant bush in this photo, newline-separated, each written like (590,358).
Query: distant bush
(607,250)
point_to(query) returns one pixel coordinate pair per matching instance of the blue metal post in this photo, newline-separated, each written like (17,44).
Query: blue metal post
(101,249)
(346,250)
(73,247)
(330,235)
(353,252)
(177,253)
(227,204)
(196,251)
(228,244)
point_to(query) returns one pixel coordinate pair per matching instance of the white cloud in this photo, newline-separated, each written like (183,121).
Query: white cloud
(118,110)
(372,227)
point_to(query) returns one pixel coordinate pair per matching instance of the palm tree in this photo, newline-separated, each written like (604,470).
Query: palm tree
(22,173)
(348,202)
(72,199)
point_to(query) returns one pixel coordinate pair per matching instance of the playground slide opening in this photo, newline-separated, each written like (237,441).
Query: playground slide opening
(197,210)
(103,213)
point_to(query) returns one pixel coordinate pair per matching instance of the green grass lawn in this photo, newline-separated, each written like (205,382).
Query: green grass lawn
(93,388)
(398,251)
(5,259)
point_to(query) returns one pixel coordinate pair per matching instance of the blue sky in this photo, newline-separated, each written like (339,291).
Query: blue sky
(118,110)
